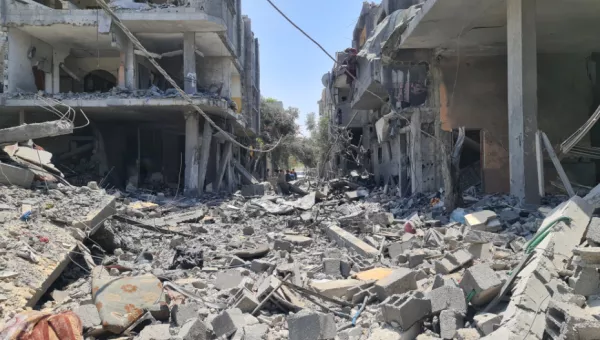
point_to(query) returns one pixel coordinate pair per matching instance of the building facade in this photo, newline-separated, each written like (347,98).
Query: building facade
(421,69)
(70,54)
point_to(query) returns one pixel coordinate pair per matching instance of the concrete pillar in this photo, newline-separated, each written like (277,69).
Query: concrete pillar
(522,98)
(189,62)
(416,159)
(121,71)
(57,58)
(191,154)
(204,154)
(130,78)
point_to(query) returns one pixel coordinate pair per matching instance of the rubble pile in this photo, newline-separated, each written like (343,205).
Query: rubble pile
(338,263)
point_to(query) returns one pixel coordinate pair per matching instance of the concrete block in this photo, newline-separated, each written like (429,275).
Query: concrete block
(406,309)
(332,266)
(89,315)
(416,257)
(346,239)
(399,281)
(182,313)
(309,325)
(245,301)
(381,218)
(452,262)
(450,322)
(193,329)
(482,251)
(395,334)
(589,255)
(333,253)
(586,281)
(567,321)
(160,311)
(487,322)
(334,288)
(483,280)
(447,297)
(485,220)
(398,248)
(228,322)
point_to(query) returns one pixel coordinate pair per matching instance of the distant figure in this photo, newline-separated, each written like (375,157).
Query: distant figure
(288,176)
(294,176)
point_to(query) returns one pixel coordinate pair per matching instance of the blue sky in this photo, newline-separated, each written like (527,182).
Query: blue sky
(291,66)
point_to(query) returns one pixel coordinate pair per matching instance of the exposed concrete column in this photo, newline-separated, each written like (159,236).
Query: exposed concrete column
(416,159)
(191,153)
(522,98)
(204,154)
(189,62)
(130,79)
(57,58)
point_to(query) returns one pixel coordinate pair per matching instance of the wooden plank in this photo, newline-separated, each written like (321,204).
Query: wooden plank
(557,165)
(539,154)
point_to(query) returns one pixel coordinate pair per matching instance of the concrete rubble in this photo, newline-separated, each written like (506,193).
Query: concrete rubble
(226,267)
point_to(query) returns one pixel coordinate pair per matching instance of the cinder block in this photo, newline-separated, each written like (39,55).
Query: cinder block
(406,309)
(244,300)
(259,266)
(586,281)
(309,325)
(228,322)
(484,281)
(450,322)
(399,281)
(487,322)
(567,321)
(332,266)
(447,298)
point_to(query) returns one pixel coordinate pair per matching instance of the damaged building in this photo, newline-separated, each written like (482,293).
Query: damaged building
(513,73)
(132,127)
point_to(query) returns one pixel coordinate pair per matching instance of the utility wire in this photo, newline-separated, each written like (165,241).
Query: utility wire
(168,78)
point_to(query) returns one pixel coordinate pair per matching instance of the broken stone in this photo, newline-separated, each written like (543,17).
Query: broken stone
(155,332)
(193,329)
(450,322)
(88,314)
(334,288)
(301,241)
(228,322)
(228,279)
(447,297)
(487,322)
(181,313)
(248,231)
(345,239)
(332,266)
(593,231)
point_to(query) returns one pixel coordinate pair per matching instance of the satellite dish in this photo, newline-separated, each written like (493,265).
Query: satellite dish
(326,78)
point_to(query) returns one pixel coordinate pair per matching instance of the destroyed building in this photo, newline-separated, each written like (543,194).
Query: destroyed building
(418,70)
(71,55)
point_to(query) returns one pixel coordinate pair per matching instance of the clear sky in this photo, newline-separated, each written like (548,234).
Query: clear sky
(291,66)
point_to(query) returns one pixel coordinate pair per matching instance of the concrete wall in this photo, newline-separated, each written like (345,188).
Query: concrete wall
(480,102)
(19,67)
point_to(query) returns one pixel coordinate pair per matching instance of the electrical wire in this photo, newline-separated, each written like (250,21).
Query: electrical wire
(168,78)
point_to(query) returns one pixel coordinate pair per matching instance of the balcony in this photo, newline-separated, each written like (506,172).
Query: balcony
(369,91)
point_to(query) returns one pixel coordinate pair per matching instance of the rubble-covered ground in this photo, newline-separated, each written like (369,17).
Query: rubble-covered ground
(334,264)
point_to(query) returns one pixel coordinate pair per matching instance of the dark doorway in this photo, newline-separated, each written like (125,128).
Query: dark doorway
(99,81)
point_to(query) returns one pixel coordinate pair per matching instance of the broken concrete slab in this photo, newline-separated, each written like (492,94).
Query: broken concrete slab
(334,288)
(485,220)
(12,175)
(298,240)
(25,132)
(487,322)
(593,231)
(346,239)
(88,314)
(95,218)
(309,325)
(193,329)
(228,279)
(452,262)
